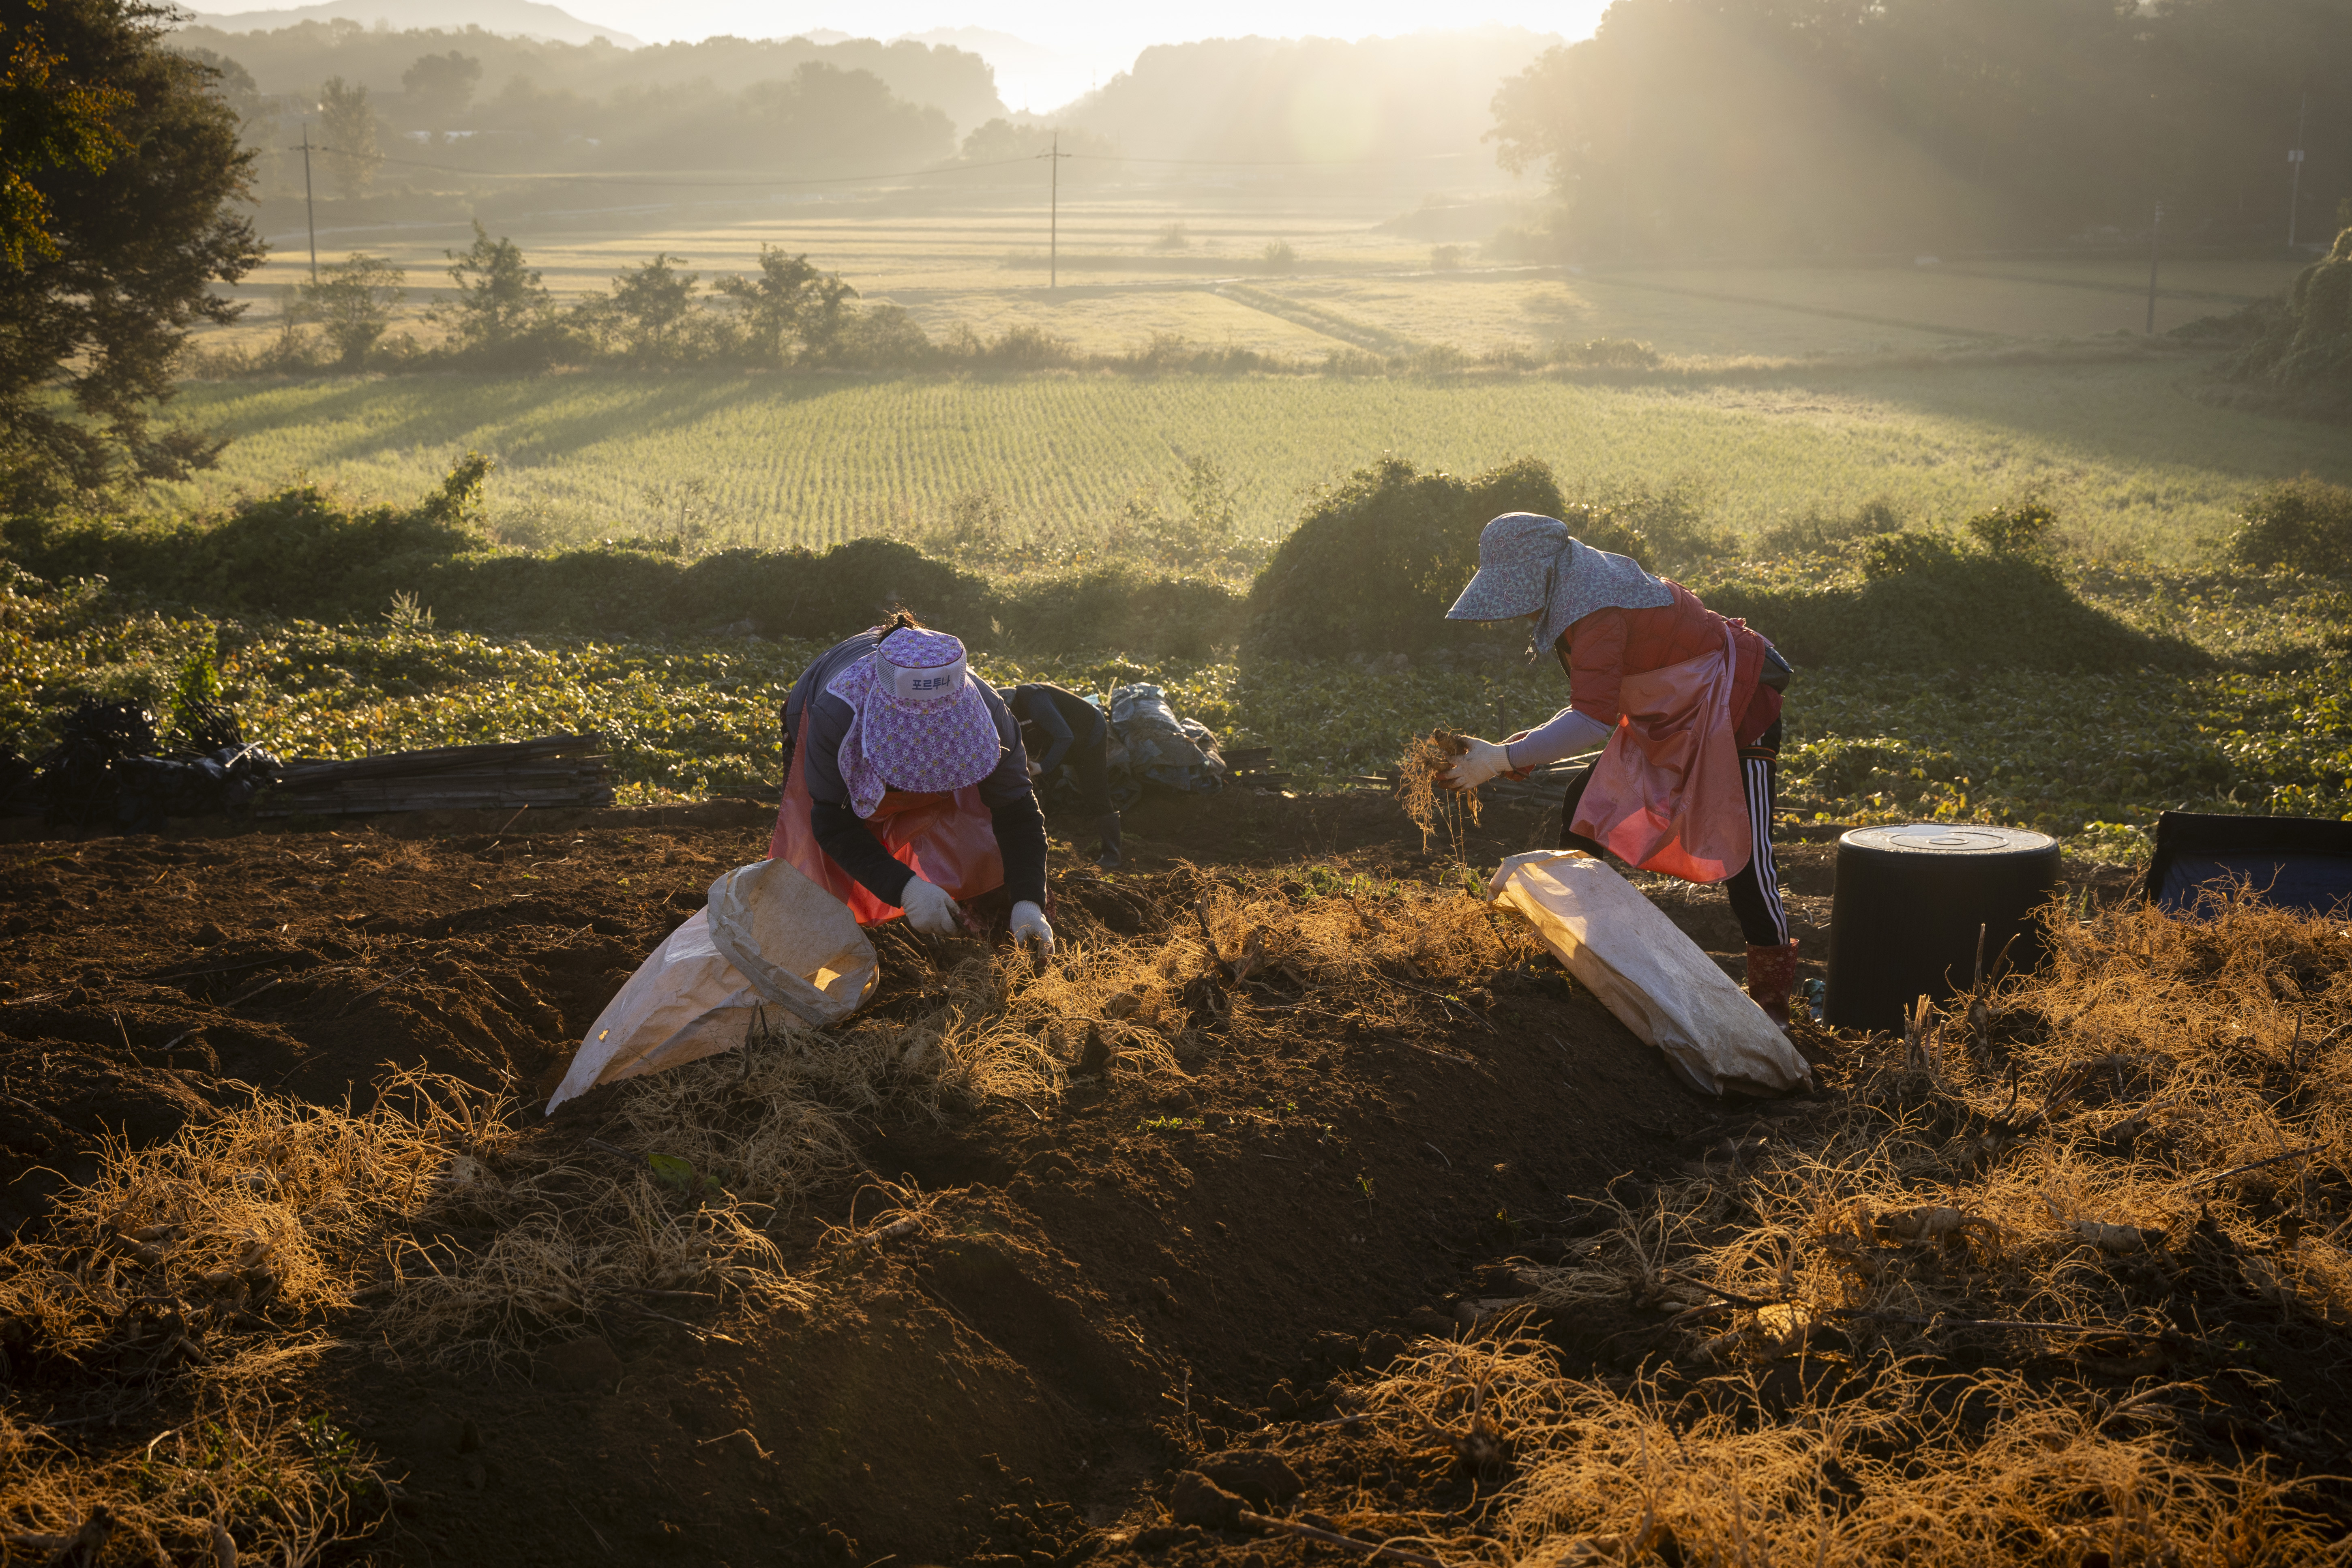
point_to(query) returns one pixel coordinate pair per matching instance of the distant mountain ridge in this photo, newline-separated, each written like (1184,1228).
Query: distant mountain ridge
(515,18)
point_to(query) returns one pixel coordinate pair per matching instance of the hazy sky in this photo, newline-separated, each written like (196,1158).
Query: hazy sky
(1073,46)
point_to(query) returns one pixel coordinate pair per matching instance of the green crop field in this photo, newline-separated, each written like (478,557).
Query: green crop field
(2092,756)
(1941,388)
(2130,459)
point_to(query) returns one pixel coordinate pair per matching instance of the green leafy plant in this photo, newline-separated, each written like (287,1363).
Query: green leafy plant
(198,684)
(2303,525)
(680,1177)
(407,615)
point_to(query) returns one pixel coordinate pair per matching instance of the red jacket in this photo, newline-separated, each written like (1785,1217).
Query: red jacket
(1605,646)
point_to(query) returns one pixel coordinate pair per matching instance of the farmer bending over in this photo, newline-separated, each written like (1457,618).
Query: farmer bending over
(1687,705)
(906,787)
(1060,726)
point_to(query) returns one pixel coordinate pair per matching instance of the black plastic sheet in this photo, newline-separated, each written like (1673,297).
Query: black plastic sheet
(105,772)
(2293,862)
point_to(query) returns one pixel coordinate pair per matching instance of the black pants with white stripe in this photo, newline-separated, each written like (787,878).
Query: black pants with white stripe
(1755,893)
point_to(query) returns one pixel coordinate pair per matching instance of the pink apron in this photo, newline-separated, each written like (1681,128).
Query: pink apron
(947,838)
(1666,794)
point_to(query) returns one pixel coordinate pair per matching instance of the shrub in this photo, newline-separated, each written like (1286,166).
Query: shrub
(1928,602)
(2305,524)
(298,552)
(1377,559)
(2021,529)
(1894,555)
(1120,607)
(2307,343)
(1664,529)
(303,554)
(1815,534)
(1607,353)
(1023,346)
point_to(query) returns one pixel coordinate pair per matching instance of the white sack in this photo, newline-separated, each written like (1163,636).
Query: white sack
(769,937)
(1645,970)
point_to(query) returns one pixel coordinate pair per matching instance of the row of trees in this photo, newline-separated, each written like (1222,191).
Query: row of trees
(1784,127)
(432,80)
(500,316)
(816,120)
(789,314)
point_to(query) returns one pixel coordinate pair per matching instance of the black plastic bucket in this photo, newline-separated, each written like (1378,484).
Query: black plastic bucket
(1909,903)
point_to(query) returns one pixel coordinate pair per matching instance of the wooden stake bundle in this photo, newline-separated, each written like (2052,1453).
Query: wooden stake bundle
(554,770)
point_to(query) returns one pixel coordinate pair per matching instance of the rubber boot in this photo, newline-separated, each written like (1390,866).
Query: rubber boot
(1771,976)
(1109,827)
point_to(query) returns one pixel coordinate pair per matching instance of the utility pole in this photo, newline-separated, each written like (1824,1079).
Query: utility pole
(2294,157)
(2155,233)
(1053,233)
(309,212)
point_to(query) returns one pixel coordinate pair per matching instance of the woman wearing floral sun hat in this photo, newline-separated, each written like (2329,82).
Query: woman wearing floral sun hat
(905,786)
(1685,704)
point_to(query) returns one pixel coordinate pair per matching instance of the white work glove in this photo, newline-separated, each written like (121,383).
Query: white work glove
(1029,925)
(1483,761)
(929,908)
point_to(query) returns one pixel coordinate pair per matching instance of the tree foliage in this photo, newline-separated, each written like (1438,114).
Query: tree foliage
(612,93)
(502,316)
(442,85)
(353,304)
(1792,127)
(133,242)
(49,123)
(347,120)
(789,306)
(648,305)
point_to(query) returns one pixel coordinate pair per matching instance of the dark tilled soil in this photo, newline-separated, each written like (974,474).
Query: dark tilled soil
(1098,1289)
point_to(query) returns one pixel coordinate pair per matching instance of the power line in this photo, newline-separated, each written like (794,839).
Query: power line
(310,207)
(671,184)
(1053,241)
(1053,157)
(1277,163)
(668,184)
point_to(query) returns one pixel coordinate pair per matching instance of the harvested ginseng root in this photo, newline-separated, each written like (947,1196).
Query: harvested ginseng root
(1419,786)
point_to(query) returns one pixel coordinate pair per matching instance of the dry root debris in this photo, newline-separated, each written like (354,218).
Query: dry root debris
(449,1225)
(2058,1275)
(1433,805)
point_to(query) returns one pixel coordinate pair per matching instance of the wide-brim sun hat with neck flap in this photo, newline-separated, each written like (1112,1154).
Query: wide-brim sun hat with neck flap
(918,722)
(1528,562)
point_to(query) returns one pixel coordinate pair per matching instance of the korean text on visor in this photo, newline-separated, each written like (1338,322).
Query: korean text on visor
(935,684)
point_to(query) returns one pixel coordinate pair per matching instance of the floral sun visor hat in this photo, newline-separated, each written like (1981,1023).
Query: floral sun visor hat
(918,722)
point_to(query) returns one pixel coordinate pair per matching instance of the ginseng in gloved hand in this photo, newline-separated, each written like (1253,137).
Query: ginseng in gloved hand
(929,908)
(1481,761)
(1029,925)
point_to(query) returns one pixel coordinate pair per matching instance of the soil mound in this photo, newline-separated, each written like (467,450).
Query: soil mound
(1007,1313)
(1297,1207)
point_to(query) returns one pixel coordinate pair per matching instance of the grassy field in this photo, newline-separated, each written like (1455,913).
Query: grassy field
(990,245)
(1785,391)
(1720,315)
(2120,447)
(1136,260)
